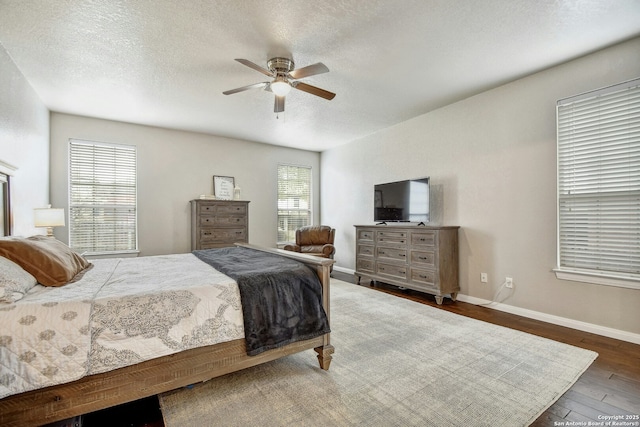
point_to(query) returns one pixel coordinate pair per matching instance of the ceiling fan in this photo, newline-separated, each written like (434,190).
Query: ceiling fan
(284,75)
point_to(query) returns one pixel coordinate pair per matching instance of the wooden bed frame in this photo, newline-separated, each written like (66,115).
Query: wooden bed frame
(88,394)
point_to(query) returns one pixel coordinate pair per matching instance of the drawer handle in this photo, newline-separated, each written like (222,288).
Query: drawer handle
(422,257)
(381,252)
(238,232)
(207,233)
(381,268)
(402,255)
(422,276)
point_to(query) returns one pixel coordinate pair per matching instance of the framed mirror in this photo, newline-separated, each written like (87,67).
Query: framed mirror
(5,205)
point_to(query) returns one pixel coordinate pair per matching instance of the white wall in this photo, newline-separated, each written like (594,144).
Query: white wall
(175,167)
(492,161)
(24,144)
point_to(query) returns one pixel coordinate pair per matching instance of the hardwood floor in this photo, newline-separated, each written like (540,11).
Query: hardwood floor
(609,387)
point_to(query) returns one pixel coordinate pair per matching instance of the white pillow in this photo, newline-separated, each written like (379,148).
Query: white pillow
(14,281)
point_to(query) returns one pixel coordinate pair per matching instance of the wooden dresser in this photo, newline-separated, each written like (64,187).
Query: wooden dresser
(423,258)
(218,223)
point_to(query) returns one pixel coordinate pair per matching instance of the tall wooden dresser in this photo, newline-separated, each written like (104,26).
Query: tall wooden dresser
(423,258)
(218,223)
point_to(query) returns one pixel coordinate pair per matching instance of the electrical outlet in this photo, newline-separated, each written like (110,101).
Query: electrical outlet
(508,282)
(483,277)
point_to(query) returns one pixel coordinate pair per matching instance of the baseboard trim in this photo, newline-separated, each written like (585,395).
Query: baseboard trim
(543,317)
(343,270)
(555,320)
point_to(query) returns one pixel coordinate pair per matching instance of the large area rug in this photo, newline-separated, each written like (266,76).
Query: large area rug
(397,363)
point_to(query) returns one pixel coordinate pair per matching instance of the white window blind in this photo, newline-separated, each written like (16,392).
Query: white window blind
(599,183)
(294,200)
(102,197)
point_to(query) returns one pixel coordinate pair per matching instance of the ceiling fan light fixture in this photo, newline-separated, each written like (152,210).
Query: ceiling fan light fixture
(285,77)
(280,86)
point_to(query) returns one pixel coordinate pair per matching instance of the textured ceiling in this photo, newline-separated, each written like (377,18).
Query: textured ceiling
(166,63)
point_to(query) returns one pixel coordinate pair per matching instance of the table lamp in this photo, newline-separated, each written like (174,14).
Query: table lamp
(48,217)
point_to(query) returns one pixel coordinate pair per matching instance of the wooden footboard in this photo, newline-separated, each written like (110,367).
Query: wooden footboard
(158,375)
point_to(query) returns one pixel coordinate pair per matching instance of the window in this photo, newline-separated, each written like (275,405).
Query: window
(294,200)
(599,186)
(102,197)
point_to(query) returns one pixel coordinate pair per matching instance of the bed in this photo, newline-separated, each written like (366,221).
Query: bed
(111,373)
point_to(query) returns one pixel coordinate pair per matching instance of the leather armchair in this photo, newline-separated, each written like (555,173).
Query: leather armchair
(314,240)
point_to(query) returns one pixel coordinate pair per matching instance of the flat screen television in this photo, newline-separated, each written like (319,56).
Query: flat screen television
(402,201)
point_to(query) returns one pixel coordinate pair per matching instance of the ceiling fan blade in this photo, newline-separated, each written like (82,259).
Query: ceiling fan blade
(314,90)
(278,106)
(255,67)
(248,87)
(310,70)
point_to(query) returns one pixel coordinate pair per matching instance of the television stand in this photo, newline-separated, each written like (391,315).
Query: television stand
(419,257)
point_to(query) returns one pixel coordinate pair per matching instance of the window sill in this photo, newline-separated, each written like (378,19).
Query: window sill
(119,254)
(597,279)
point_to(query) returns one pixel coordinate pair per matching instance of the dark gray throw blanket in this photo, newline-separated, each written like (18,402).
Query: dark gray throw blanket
(281,297)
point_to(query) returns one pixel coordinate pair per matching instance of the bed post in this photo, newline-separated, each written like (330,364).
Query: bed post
(326,350)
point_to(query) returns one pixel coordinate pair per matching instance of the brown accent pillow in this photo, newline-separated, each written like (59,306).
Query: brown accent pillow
(49,260)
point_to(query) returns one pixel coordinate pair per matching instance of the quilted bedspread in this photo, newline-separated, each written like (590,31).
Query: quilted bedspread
(122,311)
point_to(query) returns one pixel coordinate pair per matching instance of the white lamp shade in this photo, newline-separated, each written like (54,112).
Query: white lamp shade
(280,86)
(48,217)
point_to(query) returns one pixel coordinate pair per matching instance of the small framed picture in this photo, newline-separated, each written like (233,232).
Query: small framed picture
(223,187)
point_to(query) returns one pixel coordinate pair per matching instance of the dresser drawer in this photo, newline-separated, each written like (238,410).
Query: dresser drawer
(216,208)
(231,210)
(365,265)
(228,235)
(206,208)
(392,254)
(222,220)
(425,258)
(397,239)
(423,277)
(365,235)
(391,270)
(423,238)
(366,250)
